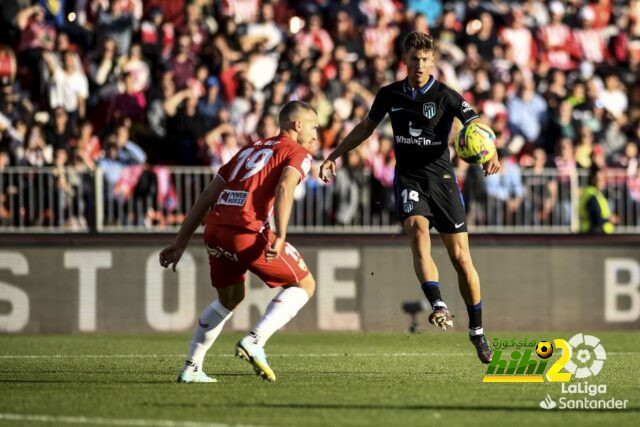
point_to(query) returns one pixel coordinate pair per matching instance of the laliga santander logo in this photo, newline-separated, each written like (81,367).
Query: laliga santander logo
(590,356)
(588,362)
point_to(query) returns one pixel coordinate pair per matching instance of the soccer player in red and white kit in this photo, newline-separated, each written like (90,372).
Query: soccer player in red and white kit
(258,181)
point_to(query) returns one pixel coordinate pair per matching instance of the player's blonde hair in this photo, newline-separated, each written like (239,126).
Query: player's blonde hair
(419,41)
(289,113)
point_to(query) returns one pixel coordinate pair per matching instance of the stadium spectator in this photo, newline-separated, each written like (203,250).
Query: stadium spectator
(495,105)
(316,40)
(152,36)
(628,160)
(558,46)
(542,189)
(131,103)
(584,147)
(120,152)
(59,132)
(137,67)
(37,152)
(183,62)
(593,207)
(566,165)
(519,41)
(383,171)
(379,40)
(505,190)
(591,40)
(211,103)
(352,189)
(432,9)
(103,73)
(474,192)
(486,38)
(8,192)
(347,36)
(87,145)
(69,87)
(613,97)
(185,124)
(562,125)
(527,112)
(117,23)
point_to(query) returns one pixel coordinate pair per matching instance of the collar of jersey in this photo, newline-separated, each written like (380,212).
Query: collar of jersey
(422,90)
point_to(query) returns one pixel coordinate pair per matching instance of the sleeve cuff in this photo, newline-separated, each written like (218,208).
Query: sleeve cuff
(471,118)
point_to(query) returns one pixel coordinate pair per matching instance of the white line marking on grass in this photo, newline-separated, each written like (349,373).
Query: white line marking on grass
(112,421)
(88,356)
(346,354)
(138,356)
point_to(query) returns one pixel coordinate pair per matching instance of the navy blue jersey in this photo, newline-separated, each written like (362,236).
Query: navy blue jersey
(421,121)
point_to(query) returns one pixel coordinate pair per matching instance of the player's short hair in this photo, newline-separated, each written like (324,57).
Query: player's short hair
(419,41)
(290,111)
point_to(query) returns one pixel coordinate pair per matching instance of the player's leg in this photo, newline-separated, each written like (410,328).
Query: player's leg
(417,229)
(210,324)
(279,312)
(227,268)
(289,271)
(415,213)
(457,245)
(282,309)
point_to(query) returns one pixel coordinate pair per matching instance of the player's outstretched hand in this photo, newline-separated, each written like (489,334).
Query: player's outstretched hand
(327,170)
(171,255)
(492,166)
(273,251)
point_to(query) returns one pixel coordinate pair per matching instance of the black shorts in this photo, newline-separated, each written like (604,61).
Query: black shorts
(437,199)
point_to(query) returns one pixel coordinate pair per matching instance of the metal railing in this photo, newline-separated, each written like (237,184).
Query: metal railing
(157,199)
(45,199)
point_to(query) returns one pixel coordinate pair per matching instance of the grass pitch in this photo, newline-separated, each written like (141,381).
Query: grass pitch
(362,379)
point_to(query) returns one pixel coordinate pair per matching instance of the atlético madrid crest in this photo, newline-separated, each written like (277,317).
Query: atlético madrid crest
(429,109)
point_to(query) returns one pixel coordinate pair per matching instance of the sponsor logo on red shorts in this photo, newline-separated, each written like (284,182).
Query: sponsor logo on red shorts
(218,252)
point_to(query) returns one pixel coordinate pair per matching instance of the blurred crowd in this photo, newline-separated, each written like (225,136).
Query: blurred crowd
(121,83)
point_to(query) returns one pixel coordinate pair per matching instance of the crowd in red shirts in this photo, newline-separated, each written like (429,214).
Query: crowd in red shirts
(119,83)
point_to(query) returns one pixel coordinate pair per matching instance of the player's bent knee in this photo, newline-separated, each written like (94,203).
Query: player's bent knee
(419,234)
(308,284)
(232,296)
(230,303)
(461,260)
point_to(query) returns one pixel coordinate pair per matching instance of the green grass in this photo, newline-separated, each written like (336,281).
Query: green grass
(323,379)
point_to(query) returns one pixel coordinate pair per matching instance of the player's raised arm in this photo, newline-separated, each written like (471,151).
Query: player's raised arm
(282,209)
(358,134)
(172,253)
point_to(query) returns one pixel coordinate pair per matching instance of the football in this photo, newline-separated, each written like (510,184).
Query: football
(475,143)
(544,349)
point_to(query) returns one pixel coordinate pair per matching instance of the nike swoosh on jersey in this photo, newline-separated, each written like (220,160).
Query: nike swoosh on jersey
(394,109)
(459,225)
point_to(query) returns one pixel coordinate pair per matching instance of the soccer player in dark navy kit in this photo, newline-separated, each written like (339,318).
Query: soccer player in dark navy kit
(422,110)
